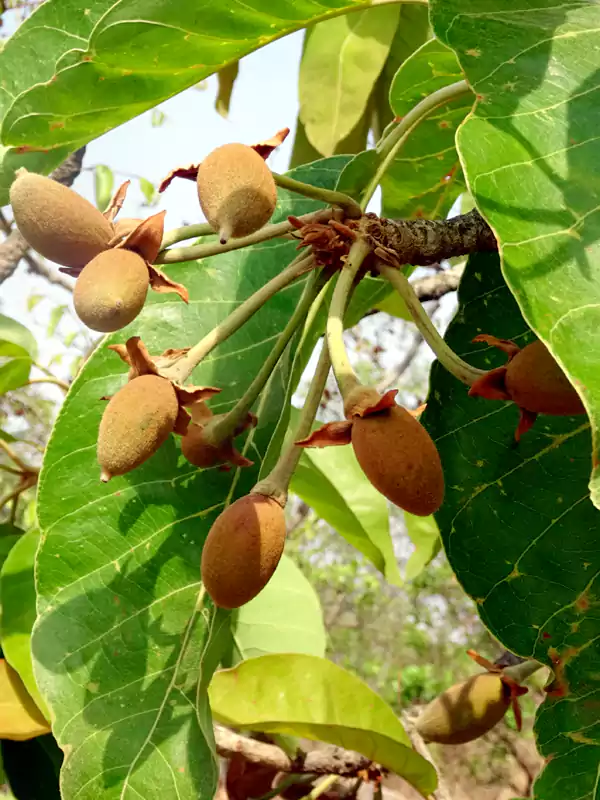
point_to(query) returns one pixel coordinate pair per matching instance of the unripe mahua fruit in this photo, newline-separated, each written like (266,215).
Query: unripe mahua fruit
(236,191)
(536,382)
(196,450)
(465,711)
(57,222)
(400,459)
(243,549)
(137,420)
(111,290)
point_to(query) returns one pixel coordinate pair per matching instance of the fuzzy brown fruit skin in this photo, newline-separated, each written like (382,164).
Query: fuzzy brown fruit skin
(136,421)
(57,222)
(197,451)
(465,711)
(236,190)
(111,290)
(537,383)
(243,549)
(400,459)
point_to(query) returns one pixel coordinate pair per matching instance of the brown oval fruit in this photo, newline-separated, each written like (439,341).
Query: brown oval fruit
(56,221)
(236,191)
(536,382)
(400,459)
(111,290)
(465,711)
(137,420)
(243,549)
(196,450)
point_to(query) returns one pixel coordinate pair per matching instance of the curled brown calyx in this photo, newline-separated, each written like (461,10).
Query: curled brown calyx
(142,237)
(205,446)
(392,447)
(531,379)
(135,354)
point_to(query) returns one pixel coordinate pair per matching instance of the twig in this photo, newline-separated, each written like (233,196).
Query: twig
(441,793)
(434,287)
(394,375)
(322,787)
(327,761)
(28,480)
(56,381)
(13,456)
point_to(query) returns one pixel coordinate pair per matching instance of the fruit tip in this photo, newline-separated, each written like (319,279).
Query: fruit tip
(105,476)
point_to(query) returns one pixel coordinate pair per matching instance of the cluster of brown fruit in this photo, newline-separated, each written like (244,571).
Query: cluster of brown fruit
(113,263)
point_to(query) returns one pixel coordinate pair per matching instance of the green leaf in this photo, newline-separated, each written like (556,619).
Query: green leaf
(33,767)
(342,60)
(17,596)
(226,78)
(425,536)
(311,697)
(18,349)
(148,189)
(33,300)
(332,483)
(29,58)
(7,437)
(20,718)
(157,118)
(9,536)
(56,316)
(535,175)
(121,654)
(175,48)
(411,32)
(520,531)
(104,181)
(285,617)
(425,178)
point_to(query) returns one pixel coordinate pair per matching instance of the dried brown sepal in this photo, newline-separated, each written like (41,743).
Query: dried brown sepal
(190,395)
(506,345)
(364,400)
(189,173)
(330,242)
(161,283)
(123,227)
(492,385)
(116,201)
(135,353)
(201,447)
(266,147)
(330,435)
(146,238)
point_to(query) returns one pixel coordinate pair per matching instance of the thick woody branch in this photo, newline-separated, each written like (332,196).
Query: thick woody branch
(14,247)
(422,242)
(327,761)
(433,287)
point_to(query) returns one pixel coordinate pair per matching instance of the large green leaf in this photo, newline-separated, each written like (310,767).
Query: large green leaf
(425,536)
(342,60)
(285,617)
(18,349)
(532,160)
(521,533)
(125,58)
(411,32)
(425,177)
(312,697)
(332,483)
(121,653)
(17,597)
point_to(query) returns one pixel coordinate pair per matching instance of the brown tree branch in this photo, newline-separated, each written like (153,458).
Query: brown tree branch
(433,287)
(422,242)
(14,247)
(327,761)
